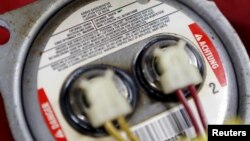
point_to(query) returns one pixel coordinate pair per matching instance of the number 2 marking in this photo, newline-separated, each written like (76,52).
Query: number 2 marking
(213,86)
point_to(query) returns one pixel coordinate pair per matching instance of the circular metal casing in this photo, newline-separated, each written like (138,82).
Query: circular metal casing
(32,26)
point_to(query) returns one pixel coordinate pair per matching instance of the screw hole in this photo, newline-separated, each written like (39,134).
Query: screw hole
(4,35)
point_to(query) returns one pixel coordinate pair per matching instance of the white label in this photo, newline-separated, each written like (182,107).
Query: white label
(165,127)
(104,27)
(98,36)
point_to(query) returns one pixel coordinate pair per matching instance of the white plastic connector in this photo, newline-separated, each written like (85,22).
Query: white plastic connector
(106,104)
(175,69)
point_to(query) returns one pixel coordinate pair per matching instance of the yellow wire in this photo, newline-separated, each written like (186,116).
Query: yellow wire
(113,131)
(125,127)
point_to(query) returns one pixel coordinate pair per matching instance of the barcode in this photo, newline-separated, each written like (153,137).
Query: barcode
(166,127)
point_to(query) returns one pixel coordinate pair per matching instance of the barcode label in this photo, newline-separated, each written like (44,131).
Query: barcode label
(166,127)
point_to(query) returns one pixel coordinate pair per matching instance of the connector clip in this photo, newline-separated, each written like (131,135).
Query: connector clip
(175,70)
(106,104)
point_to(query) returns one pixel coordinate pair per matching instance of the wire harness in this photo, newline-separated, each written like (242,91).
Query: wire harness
(106,105)
(176,74)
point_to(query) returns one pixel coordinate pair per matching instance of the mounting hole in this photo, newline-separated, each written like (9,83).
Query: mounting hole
(4,35)
(73,104)
(147,73)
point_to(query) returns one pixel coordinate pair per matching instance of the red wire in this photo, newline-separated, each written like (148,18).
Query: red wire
(184,102)
(199,107)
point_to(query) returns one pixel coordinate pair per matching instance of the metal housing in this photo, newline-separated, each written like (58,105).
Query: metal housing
(25,24)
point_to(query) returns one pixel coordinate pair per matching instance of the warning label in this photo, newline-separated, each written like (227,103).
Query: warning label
(209,52)
(50,117)
(99,33)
